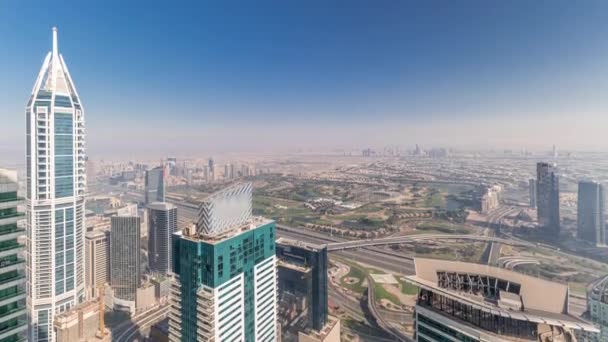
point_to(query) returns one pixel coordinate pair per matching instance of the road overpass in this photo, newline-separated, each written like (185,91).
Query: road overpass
(339,246)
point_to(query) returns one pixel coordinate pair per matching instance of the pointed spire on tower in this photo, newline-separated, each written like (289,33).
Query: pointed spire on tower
(54,63)
(54,40)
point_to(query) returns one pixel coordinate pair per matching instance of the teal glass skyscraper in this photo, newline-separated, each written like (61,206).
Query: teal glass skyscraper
(55,195)
(225,288)
(13,324)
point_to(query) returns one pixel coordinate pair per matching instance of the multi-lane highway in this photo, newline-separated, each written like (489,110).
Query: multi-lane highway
(337,246)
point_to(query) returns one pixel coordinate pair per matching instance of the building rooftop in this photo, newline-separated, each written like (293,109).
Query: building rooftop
(327,329)
(253,223)
(293,266)
(521,297)
(97,233)
(91,307)
(161,206)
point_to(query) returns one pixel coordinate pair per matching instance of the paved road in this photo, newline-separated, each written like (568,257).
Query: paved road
(380,320)
(389,261)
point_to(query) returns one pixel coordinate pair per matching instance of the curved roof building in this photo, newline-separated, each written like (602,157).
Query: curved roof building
(473,302)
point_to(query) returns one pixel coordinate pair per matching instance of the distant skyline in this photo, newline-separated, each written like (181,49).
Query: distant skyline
(196,78)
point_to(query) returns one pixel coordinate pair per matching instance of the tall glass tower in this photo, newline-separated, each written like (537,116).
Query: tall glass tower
(162,223)
(591,221)
(155,185)
(55,160)
(547,198)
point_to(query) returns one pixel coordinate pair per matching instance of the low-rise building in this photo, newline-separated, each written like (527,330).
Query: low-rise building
(80,323)
(145,298)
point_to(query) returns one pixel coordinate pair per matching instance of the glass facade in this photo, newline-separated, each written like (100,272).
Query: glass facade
(125,268)
(12,266)
(487,321)
(591,225)
(64,245)
(162,223)
(316,287)
(214,265)
(436,330)
(155,185)
(547,197)
(64,155)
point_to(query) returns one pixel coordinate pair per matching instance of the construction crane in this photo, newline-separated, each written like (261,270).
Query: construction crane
(101,333)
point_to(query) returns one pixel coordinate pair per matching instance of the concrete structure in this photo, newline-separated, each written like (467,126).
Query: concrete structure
(13,323)
(125,210)
(145,297)
(472,302)
(547,198)
(302,269)
(97,269)
(225,287)
(80,323)
(162,223)
(55,194)
(532,191)
(597,309)
(125,268)
(329,333)
(591,221)
(162,287)
(154,183)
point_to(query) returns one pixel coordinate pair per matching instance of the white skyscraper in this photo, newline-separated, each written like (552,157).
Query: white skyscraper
(56,178)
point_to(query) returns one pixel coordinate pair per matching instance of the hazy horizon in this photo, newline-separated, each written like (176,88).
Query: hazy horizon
(202,79)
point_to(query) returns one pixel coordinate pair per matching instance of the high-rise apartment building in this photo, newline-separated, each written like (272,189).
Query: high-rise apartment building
(125,268)
(97,269)
(547,197)
(590,213)
(13,322)
(226,171)
(162,223)
(302,269)
(460,301)
(154,185)
(55,196)
(532,192)
(225,288)
(211,169)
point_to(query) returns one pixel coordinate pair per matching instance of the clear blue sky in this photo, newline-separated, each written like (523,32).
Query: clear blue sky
(196,70)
